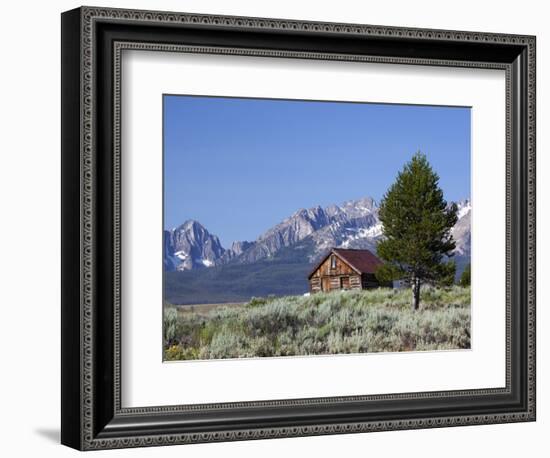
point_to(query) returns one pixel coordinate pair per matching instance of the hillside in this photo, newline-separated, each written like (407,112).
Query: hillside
(325,323)
(236,282)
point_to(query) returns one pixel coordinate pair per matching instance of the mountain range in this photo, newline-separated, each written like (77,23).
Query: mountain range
(304,236)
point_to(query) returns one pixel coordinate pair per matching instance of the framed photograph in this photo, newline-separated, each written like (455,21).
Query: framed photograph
(276,228)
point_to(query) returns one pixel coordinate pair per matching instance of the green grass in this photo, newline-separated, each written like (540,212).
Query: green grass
(325,323)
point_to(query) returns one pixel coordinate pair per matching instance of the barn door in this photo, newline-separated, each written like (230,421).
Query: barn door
(325,283)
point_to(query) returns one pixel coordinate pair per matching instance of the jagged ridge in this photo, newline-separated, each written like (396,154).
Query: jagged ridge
(307,233)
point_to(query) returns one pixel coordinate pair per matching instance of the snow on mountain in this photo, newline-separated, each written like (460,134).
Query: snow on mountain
(191,246)
(464,207)
(307,233)
(373,232)
(462,230)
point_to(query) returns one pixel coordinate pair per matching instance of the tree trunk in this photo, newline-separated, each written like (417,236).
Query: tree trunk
(415,293)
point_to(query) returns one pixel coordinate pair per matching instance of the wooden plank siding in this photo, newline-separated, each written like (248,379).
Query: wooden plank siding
(334,273)
(355,282)
(341,268)
(315,284)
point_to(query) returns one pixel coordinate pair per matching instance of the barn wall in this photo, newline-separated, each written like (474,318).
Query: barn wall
(341,268)
(315,284)
(332,277)
(355,282)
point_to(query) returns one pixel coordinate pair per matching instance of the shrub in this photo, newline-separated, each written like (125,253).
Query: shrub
(256,301)
(325,323)
(170,323)
(178,353)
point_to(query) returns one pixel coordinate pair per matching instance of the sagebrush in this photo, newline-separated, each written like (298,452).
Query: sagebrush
(325,323)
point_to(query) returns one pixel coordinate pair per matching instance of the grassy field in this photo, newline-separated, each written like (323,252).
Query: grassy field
(204,309)
(325,323)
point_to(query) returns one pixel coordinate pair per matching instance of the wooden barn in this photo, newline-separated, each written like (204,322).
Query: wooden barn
(345,269)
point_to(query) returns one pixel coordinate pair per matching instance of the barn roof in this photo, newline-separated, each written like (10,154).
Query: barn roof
(362,261)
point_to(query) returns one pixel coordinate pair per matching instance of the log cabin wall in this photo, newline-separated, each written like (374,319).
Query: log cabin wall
(355,282)
(315,284)
(340,268)
(334,274)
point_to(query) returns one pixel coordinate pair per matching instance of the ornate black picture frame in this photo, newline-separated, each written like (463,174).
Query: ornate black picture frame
(92,42)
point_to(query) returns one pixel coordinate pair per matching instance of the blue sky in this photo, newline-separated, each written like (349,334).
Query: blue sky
(239,166)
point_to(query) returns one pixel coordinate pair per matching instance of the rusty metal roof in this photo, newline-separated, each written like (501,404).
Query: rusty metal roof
(362,261)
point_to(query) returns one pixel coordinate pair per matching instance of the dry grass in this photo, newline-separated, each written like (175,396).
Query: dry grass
(205,309)
(326,323)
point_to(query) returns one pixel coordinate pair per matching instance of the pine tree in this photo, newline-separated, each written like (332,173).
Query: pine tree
(417,230)
(465,277)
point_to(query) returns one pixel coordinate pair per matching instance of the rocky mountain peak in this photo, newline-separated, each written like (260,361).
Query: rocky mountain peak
(352,224)
(238,247)
(462,229)
(464,207)
(190,246)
